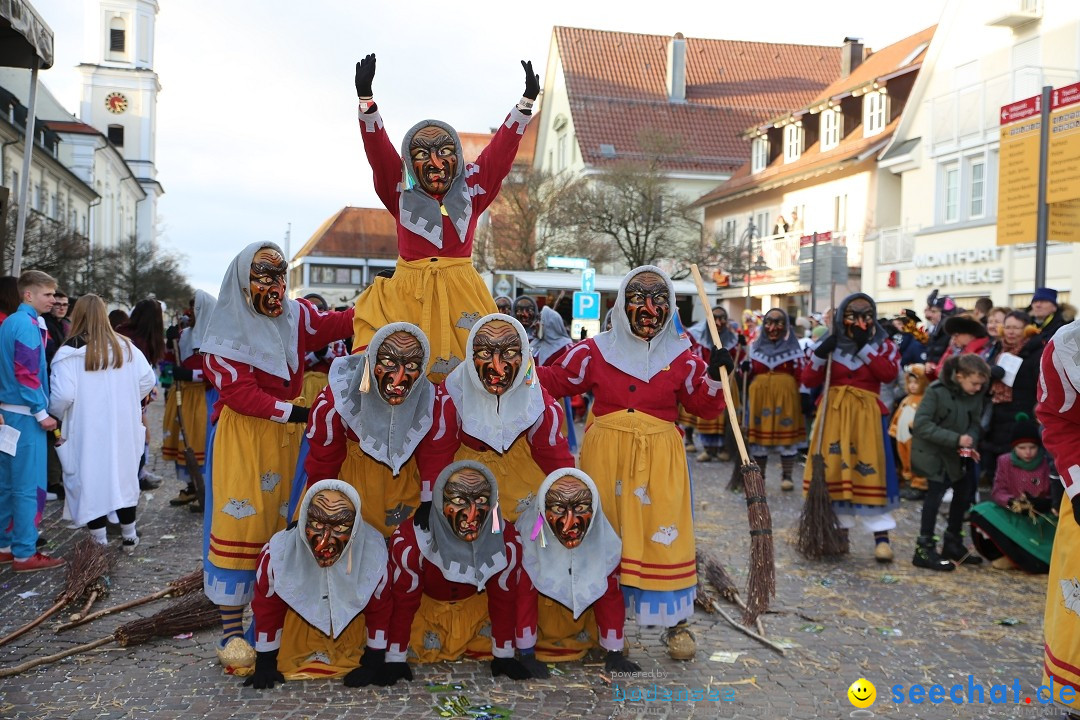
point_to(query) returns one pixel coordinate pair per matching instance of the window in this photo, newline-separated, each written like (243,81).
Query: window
(761,225)
(831,121)
(977,201)
(951,193)
(759,154)
(793,142)
(54,206)
(874,115)
(117,35)
(331,275)
(116,135)
(562,151)
(840,213)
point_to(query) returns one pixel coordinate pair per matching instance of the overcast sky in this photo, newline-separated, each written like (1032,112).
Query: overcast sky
(257,112)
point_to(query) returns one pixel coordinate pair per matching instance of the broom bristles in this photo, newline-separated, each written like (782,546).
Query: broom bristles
(718,577)
(761,583)
(190,613)
(188,583)
(819,535)
(86,562)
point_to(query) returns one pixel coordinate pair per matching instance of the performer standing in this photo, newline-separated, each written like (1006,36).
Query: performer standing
(859,468)
(254,348)
(639,372)
(776,418)
(492,409)
(570,553)
(437,201)
(313,581)
(437,576)
(367,437)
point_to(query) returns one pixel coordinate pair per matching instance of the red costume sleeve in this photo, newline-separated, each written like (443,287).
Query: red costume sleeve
(610,613)
(1059,412)
(266,606)
(503,602)
(549,448)
(384,160)
(699,394)
(497,159)
(377,615)
(527,613)
(442,442)
(884,362)
(570,376)
(327,436)
(240,391)
(319,329)
(406,589)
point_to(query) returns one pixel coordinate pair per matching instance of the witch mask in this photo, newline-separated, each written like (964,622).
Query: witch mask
(648,304)
(497,355)
(467,503)
(398,364)
(266,284)
(330,520)
(433,154)
(568,509)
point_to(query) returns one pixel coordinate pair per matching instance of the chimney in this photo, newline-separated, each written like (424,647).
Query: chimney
(676,69)
(852,55)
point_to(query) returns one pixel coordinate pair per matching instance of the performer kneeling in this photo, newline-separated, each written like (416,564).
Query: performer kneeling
(581,570)
(312,582)
(439,572)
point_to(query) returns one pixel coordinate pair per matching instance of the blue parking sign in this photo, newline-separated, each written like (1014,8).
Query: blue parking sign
(587,305)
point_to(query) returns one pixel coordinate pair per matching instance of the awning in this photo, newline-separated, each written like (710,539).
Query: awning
(24,36)
(540,280)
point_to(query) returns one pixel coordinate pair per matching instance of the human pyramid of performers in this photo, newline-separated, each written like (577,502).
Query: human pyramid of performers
(417,500)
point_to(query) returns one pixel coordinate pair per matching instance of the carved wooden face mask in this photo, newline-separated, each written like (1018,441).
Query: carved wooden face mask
(330,520)
(647,304)
(467,503)
(525,311)
(775,325)
(568,509)
(266,283)
(398,364)
(433,155)
(497,355)
(859,319)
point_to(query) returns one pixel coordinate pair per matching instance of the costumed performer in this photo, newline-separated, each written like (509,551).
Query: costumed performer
(504,305)
(859,468)
(527,313)
(437,200)
(1015,528)
(570,554)
(775,368)
(317,361)
(314,581)
(368,421)
(438,575)
(903,419)
(639,372)
(713,433)
(552,339)
(253,352)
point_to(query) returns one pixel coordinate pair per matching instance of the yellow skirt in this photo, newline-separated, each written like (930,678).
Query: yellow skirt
(1061,622)
(518,474)
(775,411)
(193,410)
(386,501)
(313,384)
(444,630)
(718,424)
(443,296)
(561,637)
(253,467)
(639,466)
(307,653)
(852,446)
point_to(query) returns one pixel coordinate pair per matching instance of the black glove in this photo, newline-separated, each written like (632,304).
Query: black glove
(266,671)
(365,73)
(509,667)
(615,661)
(996,372)
(720,358)
(299,414)
(182,373)
(422,516)
(371,663)
(532,80)
(806,403)
(826,347)
(536,668)
(745,366)
(390,673)
(742,341)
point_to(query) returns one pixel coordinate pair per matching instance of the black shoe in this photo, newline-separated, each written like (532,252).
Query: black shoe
(953,549)
(913,494)
(57,490)
(926,556)
(41,542)
(146,483)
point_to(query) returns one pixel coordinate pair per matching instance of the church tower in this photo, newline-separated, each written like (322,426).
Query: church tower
(119,91)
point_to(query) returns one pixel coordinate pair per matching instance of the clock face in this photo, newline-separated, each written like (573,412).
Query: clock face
(116,103)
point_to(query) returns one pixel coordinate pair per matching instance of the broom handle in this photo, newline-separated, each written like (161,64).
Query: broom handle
(824,404)
(117,608)
(733,412)
(33,623)
(15,670)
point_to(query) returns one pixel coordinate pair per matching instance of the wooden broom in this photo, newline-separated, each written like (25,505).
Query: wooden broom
(191,464)
(819,534)
(190,613)
(761,583)
(87,563)
(177,588)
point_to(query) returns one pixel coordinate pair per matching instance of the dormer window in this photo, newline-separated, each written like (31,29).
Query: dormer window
(875,114)
(793,142)
(831,122)
(759,154)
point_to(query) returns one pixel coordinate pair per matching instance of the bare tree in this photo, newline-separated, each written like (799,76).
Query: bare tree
(142,267)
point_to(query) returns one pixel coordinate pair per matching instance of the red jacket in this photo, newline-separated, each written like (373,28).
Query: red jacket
(880,366)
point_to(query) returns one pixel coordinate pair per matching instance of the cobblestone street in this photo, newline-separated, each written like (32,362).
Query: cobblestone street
(893,625)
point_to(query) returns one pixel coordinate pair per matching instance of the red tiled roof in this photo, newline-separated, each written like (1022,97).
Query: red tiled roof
(617,91)
(71,126)
(354,232)
(881,63)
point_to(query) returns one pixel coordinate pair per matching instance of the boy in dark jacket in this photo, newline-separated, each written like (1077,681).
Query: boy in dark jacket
(946,433)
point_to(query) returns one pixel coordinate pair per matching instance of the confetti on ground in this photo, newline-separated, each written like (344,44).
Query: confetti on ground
(444,687)
(168,537)
(28,594)
(812,628)
(787,643)
(182,636)
(890,632)
(889,579)
(1008,621)
(724,656)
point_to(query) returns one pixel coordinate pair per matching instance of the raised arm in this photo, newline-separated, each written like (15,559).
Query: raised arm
(382,156)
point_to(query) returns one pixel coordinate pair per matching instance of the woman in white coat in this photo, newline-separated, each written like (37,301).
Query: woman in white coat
(98,381)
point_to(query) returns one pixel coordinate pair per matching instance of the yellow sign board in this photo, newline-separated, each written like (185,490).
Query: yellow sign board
(1018,172)
(1064,221)
(1063,148)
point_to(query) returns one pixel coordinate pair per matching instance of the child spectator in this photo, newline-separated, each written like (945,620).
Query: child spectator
(946,433)
(915,382)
